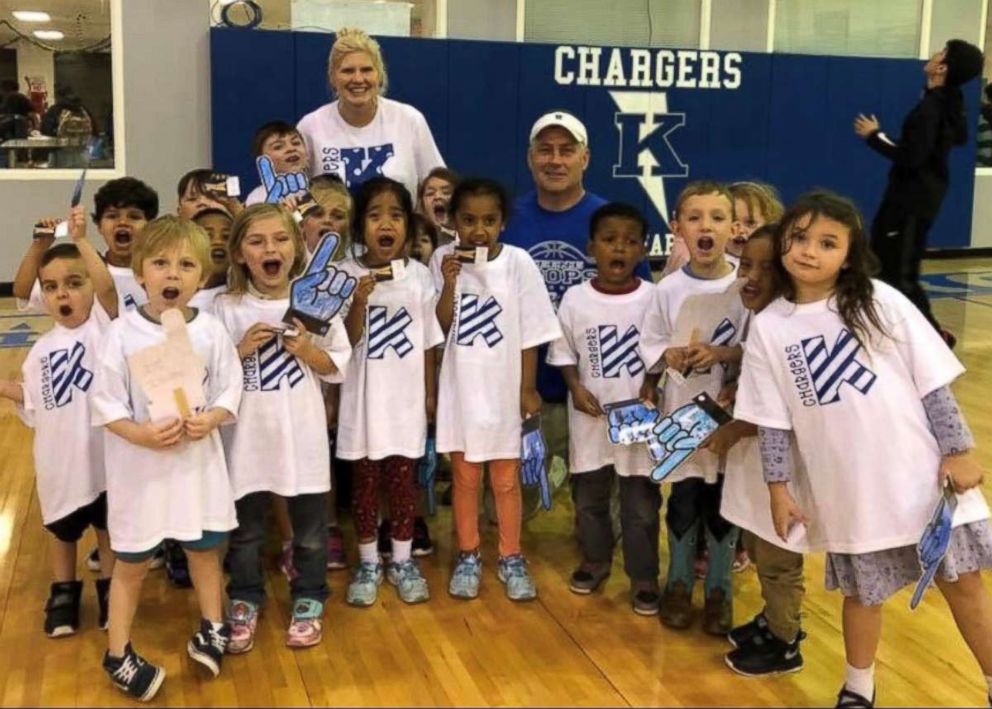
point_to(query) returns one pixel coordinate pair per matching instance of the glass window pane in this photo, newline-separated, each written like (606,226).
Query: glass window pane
(668,23)
(739,25)
(881,28)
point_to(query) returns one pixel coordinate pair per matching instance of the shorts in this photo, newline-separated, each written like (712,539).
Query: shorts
(70,528)
(209,540)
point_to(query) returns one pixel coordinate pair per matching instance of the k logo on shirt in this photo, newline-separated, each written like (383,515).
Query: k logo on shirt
(610,352)
(62,372)
(357,165)
(266,369)
(819,372)
(477,319)
(388,333)
(129,302)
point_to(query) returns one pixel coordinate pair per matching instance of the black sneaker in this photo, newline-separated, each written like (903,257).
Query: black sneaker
(133,675)
(158,558)
(385,539)
(646,602)
(765,654)
(422,544)
(207,645)
(852,700)
(103,600)
(93,559)
(587,578)
(176,565)
(743,634)
(62,609)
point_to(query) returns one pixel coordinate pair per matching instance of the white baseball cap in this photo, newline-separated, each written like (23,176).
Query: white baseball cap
(563,120)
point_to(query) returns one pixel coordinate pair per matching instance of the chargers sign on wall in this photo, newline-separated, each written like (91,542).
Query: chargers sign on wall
(656,118)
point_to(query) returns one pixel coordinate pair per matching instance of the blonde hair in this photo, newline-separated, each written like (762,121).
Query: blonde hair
(349,41)
(760,195)
(324,190)
(169,232)
(703,187)
(238,277)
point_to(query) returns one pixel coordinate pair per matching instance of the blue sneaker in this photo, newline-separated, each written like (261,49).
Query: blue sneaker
(519,584)
(409,582)
(467,575)
(364,587)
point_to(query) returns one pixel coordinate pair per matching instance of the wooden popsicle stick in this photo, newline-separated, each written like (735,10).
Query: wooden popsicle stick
(182,403)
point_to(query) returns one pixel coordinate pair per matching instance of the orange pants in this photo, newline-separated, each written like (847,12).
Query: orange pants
(504,477)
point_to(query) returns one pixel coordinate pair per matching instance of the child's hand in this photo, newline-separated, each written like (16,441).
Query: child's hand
(675,357)
(300,345)
(12,390)
(77,223)
(47,223)
(585,401)
(200,425)
(530,403)
(366,284)
(163,434)
(450,268)
(700,355)
(963,470)
(727,396)
(649,390)
(723,439)
(785,511)
(256,336)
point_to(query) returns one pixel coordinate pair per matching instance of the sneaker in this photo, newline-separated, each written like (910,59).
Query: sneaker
(676,607)
(133,674)
(208,644)
(422,544)
(853,700)
(587,578)
(364,587)
(718,613)
(384,540)
(741,562)
(306,627)
(93,559)
(158,558)
(765,654)
(336,558)
(467,575)
(409,582)
(513,572)
(242,619)
(743,634)
(103,601)
(177,566)
(646,601)
(62,609)
(286,562)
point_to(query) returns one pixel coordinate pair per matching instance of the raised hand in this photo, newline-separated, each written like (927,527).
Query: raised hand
(533,452)
(279,186)
(317,295)
(934,542)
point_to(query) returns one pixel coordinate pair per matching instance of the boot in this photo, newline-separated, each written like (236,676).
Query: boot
(718,614)
(676,601)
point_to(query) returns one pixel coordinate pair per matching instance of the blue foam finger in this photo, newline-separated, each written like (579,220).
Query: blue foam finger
(934,542)
(426,472)
(324,253)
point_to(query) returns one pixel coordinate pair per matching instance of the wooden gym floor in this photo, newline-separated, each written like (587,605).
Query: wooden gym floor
(562,649)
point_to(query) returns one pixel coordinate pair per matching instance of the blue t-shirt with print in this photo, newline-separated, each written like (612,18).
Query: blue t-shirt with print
(557,242)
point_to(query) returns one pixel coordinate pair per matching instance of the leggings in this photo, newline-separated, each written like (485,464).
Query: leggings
(504,477)
(397,473)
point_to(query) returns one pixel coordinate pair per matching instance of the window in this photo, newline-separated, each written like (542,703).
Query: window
(398,18)
(881,28)
(637,23)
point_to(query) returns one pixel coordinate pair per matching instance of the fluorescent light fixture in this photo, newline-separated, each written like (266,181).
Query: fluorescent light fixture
(48,34)
(228,2)
(32,16)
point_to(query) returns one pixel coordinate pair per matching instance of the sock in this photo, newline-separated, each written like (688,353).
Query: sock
(861,681)
(369,552)
(401,550)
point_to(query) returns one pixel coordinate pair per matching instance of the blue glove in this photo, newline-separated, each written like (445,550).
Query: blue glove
(426,471)
(934,543)
(279,186)
(533,451)
(318,294)
(630,422)
(677,436)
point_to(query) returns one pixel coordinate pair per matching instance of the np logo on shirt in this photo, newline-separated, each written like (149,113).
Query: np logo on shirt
(356,165)
(478,320)
(562,266)
(266,369)
(388,333)
(819,371)
(61,372)
(610,352)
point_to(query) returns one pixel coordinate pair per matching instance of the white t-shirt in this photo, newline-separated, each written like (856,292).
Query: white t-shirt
(279,443)
(397,143)
(600,332)
(501,308)
(130,294)
(204,298)
(383,398)
(175,493)
(256,196)
(657,331)
(858,417)
(59,372)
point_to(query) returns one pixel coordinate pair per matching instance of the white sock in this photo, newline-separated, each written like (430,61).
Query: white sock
(369,552)
(861,681)
(401,550)
(988,681)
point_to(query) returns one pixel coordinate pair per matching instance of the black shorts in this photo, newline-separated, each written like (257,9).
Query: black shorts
(70,528)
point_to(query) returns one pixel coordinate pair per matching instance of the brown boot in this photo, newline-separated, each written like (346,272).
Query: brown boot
(676,607)
(718,613)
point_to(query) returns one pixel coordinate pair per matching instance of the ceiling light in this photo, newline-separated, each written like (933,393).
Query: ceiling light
(48,34)
(227,2)
(31,16)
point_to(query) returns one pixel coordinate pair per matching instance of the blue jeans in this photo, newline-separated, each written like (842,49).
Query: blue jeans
(308,515)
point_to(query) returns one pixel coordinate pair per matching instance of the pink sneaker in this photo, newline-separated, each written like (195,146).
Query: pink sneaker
(286,561)
(306,628)
(336,558)
(242,618)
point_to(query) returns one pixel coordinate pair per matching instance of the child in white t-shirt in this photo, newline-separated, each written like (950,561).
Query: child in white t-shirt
(284,146)
(166,478)
(390,390)
(704,214)
(495,311)
(54,400)
(600,321)
(279,444)
(852,368)
(216,222)
(755,204)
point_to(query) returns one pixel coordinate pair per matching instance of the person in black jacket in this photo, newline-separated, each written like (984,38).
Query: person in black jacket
(919,174)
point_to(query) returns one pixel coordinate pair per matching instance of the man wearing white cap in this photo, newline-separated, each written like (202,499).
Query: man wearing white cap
(552,224)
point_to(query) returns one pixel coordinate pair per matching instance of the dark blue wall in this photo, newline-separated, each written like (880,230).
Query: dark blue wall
(789,121)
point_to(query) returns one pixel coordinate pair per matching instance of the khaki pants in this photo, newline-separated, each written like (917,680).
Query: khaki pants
(780,573)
